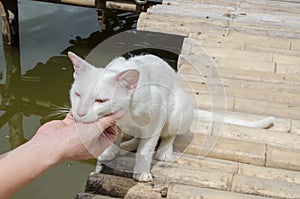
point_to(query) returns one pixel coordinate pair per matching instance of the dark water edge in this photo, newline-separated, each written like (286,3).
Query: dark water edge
(47,32)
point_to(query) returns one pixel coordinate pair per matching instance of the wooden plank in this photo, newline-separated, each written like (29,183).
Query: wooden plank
(185,19)
(285,59)
(121,187)
(239,151)
(241,133)
(287,69)
(92,196)
(214,61)
(181,20)
(280,125)
(198,162)
(174,5)
(266,108)
(223,148)
(241,83)
(267,86)
(273,6)
(295,45)
(267,32)
(239,55)
(278,157)
(269,173)
(295,126)
(183,30)
(250,47)
(265,187)
(159,23)
(267,21)
(246,39)
(164,174)
(238,168)
(178,191)
(260,76)
(212,2)
(200,6)
(207,101)
(289,99)
(202,177)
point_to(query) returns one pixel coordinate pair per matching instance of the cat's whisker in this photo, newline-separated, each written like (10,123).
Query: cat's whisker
(59,111)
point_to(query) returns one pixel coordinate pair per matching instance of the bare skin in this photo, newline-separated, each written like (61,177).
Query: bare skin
(54,142)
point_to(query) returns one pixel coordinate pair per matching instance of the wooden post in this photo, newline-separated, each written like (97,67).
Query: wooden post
(11,47)
(11,44)
(10,21)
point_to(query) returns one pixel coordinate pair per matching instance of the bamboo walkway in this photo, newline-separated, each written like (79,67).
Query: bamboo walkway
(255,48)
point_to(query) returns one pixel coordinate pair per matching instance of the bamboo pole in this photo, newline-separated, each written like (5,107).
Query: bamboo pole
(117,5)
(87,3)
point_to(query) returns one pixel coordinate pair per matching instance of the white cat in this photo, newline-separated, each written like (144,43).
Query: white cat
(155,106)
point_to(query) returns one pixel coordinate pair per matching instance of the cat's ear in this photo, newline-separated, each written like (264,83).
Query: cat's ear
(79,64)
(128,79)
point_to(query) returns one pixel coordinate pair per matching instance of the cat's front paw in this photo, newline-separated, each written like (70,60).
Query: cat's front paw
(97,170)
(107,155)
(143,177)
(164,155)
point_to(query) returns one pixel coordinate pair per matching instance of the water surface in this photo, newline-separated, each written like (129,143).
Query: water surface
(47,32)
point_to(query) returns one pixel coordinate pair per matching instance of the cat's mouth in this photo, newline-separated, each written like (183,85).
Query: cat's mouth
(109,114)
(117,114)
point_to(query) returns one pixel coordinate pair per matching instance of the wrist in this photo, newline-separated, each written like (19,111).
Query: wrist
(45,152)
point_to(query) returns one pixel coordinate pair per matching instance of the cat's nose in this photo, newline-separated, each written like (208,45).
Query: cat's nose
(80,114)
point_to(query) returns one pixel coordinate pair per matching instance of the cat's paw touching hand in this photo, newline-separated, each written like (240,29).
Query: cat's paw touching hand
(143,177)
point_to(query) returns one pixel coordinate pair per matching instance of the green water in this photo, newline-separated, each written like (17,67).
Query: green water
(47,32)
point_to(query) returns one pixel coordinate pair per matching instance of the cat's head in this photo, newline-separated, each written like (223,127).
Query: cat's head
(97,92)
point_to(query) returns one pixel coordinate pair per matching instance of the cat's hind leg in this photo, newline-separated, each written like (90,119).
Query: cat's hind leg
(129,145)
(165,149)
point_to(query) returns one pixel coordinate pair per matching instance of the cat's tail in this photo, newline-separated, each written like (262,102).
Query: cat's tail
(209,116)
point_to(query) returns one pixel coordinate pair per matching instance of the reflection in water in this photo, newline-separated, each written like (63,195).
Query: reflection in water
(44,89)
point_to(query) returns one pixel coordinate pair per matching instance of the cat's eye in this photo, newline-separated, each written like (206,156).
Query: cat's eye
(101,100)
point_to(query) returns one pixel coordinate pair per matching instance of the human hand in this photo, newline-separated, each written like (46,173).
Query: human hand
(69,140)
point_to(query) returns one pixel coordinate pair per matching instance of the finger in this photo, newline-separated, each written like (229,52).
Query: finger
(111,133)
(106,122)
(69,119)
(107,138)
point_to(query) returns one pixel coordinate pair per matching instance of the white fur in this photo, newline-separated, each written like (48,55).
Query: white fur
(155,106)
(209,116)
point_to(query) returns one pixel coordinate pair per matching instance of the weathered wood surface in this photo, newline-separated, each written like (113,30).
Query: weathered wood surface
(241,56)
(190,176)
(130,6)
(179,191)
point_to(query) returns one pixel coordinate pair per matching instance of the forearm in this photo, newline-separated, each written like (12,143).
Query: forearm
(23,164)
(3,155)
